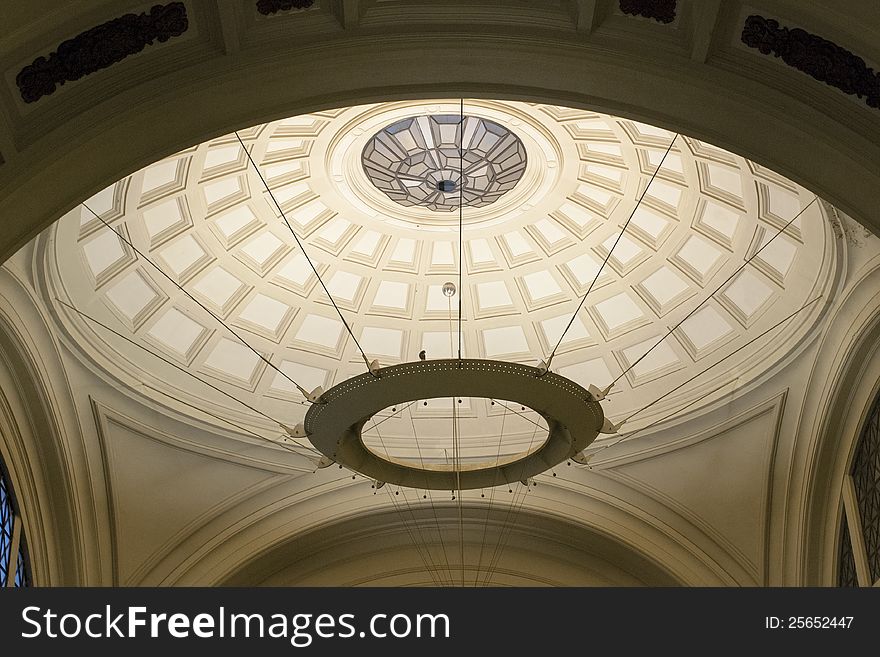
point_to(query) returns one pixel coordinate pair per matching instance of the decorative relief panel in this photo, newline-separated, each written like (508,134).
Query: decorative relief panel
(100,47)
(662,11)
(269,7)
(817,57)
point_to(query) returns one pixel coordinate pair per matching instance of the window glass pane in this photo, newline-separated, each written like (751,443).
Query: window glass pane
(21,577)
(6,517)
(846,574)
(441,160)
(866,477)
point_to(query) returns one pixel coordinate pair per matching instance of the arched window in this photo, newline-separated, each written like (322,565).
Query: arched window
(859,560)
(14,566)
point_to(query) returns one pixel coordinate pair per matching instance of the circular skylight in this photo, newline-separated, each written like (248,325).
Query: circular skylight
(443,160)
(203,217)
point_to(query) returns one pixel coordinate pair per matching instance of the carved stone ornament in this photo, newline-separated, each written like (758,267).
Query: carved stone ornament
(100,47)
(817,57)
(662,11)
(268,7)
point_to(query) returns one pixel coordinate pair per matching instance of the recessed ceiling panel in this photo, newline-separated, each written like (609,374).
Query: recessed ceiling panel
(546,194)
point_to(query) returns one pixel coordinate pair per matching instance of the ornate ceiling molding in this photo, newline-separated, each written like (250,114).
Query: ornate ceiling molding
(842,389)
(42,437)
(662,11)
(99,48)
(375,548)
(269,7)
(817,57)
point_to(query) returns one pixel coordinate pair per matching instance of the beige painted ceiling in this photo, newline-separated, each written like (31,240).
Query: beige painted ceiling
(204,218)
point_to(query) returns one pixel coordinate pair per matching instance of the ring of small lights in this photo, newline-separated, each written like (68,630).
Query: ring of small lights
(334,426)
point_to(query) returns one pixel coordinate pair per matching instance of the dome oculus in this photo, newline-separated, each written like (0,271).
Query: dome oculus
(436,161)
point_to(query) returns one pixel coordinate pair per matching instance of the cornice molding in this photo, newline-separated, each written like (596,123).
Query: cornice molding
(266,521)
(146,103)
(376,548)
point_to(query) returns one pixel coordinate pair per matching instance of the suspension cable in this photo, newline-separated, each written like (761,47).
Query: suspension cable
(460,216)
(491,499)
(509,523)
(131,245)
(456,464)
(610,251)
(725,282)
(199,379)
(513,410)
(305,254)
(430,496)
(663,419)
(732,353)
(426,559)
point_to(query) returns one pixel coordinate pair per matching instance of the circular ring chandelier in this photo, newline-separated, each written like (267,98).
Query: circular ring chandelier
(335,424)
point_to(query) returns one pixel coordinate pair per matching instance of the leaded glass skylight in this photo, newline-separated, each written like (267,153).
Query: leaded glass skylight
(437,161)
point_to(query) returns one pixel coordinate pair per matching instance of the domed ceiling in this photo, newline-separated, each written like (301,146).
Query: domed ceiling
(373,194)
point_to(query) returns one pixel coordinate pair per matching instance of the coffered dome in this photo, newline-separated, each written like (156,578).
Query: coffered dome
(547,190)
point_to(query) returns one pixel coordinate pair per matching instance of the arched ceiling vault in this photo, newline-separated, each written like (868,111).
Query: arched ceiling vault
(202,216)
(237,67)
(159,122)
(203,219)
(334,554)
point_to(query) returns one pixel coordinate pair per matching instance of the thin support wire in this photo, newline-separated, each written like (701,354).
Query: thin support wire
(715,291)
(430,496)
(663,419)
(460,217)
(131,245)
(456,460)
(508,523)
(385,419)
(302,248)
(491,499)
(715,364)
(610,251)
(200,380)
(426,560)
(513,410)
(701,397)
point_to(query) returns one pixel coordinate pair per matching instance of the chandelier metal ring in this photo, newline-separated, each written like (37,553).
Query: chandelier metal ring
(335,426)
